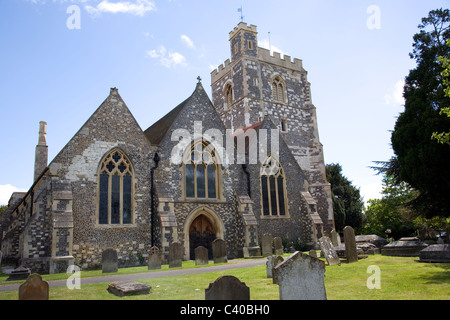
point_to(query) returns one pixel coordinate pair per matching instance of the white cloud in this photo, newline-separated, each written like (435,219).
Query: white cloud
(371,191)
(6,192)
(138,8)
(166,58)
(187,41)
(395,97)
(265,43)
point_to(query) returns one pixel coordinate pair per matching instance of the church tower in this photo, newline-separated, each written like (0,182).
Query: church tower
(256,84)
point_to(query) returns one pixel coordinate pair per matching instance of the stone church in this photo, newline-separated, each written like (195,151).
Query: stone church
(245,164)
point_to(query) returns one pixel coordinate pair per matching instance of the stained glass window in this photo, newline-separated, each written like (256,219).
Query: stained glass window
(115,189)
(273,191)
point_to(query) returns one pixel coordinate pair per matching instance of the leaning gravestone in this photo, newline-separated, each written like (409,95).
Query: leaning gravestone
(328,251)
(128,288)
(227,288)
(201,256)
(175,255)
(109,261)
(266,243)
(278,245)
(350,245)
(34,288)
(301,277)
(154,259)
(219,250)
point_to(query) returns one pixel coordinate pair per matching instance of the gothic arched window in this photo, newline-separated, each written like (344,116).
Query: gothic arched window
(201,171)
(228,96)
(273,189)
(278,89)
(115,191)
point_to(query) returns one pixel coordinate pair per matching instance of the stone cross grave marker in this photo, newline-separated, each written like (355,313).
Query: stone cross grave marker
(109,261)
(328,250)
(227,288)
(219,250)
(266,242)
(175,255)
(278,245)
(201,256)
(301,277)
(350,245)
(34,288)
(154,259)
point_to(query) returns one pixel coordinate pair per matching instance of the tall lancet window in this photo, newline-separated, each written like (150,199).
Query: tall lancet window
(115,188)
(228,96)
(273,189)
(201,171)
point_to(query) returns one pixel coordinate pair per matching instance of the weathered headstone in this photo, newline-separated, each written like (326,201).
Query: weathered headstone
(34,288)
(201,256)
(266,243)
(313,253)
(227,288)
(20,273)
(154,259)
(350,245)
(328,251)
(175,255)
(219,250)
(128,288)
(109,261)
(272,262)
(301,277)
(335,238)
(278,245)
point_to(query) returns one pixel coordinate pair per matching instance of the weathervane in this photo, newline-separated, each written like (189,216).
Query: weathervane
(242,16)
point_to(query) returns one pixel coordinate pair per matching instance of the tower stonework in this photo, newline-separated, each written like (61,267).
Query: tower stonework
(256,84)
(41,155)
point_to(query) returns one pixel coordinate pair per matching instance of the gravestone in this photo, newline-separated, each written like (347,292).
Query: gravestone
(154,259)
(219,250)
(328,251)
(109,261)
(350,245)
(313,253)
(278,246)
(301,277)
(20,273)
(227,288)
(266,243)
(335,238)
(34,288)
(435,253)
(272,262)
(128,288)
(175,255)
(201,256)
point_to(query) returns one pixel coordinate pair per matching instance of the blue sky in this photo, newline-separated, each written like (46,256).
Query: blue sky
(355,52)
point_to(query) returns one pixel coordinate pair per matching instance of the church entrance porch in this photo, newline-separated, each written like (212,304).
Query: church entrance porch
(201,233)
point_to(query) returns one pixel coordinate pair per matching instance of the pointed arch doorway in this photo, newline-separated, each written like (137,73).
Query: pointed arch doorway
(201,233)
(201,227)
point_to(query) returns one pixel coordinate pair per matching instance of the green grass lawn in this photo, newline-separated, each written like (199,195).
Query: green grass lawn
(401,279)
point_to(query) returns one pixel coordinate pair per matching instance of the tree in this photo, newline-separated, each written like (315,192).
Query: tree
(391,211)
(347,202)
(419,161)
(444,137)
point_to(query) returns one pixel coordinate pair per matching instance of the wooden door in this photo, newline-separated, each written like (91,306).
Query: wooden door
(201,233)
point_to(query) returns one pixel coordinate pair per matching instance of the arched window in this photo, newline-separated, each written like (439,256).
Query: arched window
(273,189)
(228,96)
(278,90)
(115,181)
(201,171)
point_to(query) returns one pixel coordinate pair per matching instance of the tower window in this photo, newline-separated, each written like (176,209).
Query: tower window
(250,45)
(283,125)
(115,189)
(228,96)
(278,90)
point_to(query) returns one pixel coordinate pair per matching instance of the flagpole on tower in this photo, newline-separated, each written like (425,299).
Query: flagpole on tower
(242,14)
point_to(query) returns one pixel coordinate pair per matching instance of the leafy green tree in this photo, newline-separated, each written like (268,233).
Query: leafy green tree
(444,137)
(419,161)
(347,202)
(391,211)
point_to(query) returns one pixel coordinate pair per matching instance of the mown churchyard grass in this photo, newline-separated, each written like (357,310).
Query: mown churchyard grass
(401,278)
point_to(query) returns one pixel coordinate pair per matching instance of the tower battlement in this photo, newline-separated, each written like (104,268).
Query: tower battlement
(243,26)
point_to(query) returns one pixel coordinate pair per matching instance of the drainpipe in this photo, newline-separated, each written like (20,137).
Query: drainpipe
(152,198)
